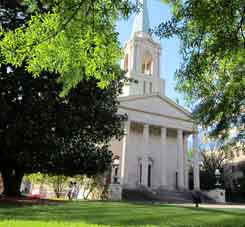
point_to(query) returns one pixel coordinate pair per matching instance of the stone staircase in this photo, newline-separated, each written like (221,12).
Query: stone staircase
(162,196)
(174,196)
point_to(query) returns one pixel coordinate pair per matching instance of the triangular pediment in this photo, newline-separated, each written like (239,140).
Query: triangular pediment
(155,104)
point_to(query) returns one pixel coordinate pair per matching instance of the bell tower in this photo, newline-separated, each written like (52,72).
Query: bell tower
(141,60)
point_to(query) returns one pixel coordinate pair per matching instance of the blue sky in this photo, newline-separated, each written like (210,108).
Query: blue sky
(170,57)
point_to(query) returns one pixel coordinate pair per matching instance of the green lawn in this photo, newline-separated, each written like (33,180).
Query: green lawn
(91,214)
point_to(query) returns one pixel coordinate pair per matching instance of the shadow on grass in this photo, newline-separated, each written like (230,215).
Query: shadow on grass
(123,214)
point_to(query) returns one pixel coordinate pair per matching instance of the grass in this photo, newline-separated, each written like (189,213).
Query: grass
(105,214)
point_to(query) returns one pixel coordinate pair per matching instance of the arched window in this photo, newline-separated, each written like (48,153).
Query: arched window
(140,171)
(147,64)
(126,63)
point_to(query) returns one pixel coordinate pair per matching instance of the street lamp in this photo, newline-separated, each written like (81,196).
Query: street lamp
(217,177)
(115,166)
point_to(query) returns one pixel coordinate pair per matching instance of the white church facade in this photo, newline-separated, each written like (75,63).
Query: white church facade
(153,152)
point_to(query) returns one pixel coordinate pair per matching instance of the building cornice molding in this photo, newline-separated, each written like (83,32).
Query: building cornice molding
(163,97)
(156,114)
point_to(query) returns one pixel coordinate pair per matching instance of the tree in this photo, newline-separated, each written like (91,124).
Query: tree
(241,180)
(12,4)
(40,132)
(94,187)
(212,35)
(59,184)
(75,39)
(212,161)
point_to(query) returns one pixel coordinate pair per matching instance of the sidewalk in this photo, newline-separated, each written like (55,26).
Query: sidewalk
(215,206)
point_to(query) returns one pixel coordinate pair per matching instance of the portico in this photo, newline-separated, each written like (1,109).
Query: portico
(154,148)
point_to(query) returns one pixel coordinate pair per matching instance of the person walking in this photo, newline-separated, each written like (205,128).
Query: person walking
(70,190)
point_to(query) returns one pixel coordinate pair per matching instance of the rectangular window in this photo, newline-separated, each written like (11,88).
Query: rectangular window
(136,128)
(143,68)
(148,67)
(149,176)
(150,88)
(154,130)
(140,173)
(144,87)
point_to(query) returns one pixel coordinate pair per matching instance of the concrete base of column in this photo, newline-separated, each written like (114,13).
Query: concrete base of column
(164,187)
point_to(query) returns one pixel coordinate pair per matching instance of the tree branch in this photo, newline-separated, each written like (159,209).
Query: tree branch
(63,26)
(240,27)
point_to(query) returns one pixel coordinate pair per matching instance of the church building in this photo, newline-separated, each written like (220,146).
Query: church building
(153,152)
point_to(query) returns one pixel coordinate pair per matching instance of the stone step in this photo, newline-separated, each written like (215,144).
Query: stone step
(150,195)
(177,194)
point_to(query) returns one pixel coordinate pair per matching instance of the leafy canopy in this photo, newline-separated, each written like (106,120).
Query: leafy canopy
(212,74)
(40,132)
(75,38)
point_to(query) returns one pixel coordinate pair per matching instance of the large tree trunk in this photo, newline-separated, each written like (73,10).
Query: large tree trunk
(12,179)
(10,3)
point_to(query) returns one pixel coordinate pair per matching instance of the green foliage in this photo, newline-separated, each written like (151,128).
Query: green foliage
(212,73)
(59,183)
(241,181)
(211,162)
(93,187)
(75,39)
(42,132)
(35,178)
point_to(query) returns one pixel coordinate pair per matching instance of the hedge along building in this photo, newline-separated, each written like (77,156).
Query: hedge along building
(153,152)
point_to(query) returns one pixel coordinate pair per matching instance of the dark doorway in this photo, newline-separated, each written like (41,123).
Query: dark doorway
(149,176)
(140,173)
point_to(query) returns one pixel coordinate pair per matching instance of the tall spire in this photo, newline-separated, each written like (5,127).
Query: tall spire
(141,21)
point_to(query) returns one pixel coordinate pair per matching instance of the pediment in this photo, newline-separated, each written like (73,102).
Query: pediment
(155,104)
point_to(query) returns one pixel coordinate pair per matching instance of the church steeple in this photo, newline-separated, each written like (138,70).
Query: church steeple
(141,21)
(141,60)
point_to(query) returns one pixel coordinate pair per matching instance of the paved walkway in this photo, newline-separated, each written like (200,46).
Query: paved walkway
(215,206)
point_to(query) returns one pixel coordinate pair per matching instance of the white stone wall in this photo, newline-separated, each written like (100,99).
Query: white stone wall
(172,163)
(217,194)
(136,152)
(115,192)
(155,150)
(116,147)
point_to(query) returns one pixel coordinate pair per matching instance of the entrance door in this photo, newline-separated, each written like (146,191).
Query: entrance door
(149,176)
(140,173)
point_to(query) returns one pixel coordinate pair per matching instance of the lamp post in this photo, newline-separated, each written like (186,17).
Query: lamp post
(115,166)
(217,177)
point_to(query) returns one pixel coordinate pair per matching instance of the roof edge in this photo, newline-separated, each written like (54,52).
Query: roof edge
(163,97)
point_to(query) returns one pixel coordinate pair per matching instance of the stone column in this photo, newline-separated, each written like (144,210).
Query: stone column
(163,157)
(133,57)
(125,142)
(196,174)
(158,70)
(186,167)
(180,160)
(145,159)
